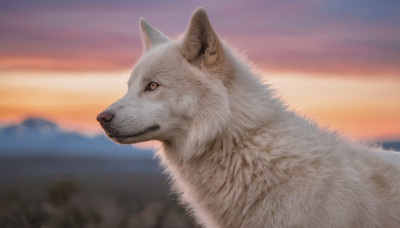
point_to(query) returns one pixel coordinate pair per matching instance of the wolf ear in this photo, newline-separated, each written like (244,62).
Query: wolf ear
(200,44)
(151,36)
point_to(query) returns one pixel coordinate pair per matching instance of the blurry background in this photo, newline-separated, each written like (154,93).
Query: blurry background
(62,62)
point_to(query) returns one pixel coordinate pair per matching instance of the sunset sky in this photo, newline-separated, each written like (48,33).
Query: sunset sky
(337,62)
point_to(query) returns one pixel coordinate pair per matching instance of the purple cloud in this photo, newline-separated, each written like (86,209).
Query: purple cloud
(309,36)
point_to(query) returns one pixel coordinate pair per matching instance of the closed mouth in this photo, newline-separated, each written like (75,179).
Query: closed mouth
(145,131)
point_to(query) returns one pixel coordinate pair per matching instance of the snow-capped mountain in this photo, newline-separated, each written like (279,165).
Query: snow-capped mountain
(36,136)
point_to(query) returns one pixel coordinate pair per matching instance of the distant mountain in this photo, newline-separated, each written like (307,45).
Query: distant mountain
(35,127)
(391,145)
(40,137)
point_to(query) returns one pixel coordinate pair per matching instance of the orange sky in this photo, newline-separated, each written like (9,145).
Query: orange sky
(359,108)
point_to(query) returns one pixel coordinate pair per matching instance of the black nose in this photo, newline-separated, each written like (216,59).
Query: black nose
(105,117)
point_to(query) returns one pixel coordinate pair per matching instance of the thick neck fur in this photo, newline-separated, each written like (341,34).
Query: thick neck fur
(252,106)
(207,182)
(216,181)
(256,161)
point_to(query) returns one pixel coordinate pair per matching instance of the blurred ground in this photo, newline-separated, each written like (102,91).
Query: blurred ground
(85,198)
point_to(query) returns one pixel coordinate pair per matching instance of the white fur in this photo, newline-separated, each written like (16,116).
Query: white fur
(236,156)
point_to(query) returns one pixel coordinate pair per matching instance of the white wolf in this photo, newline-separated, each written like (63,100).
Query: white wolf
(237,157)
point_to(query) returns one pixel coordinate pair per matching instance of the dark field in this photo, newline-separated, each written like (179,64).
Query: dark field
(86,192)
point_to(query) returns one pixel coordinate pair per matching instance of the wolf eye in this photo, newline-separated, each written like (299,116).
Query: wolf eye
(151,86)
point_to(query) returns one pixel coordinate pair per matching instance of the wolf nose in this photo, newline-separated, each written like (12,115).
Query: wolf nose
(105,117)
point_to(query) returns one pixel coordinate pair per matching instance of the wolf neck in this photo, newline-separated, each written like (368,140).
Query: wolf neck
(251,107)
(212,182)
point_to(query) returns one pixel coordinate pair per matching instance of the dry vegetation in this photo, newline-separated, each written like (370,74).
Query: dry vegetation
(64,204)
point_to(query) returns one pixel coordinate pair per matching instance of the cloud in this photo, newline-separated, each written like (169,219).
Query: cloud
(315,36)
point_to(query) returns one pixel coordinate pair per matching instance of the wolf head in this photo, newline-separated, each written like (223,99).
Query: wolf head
(178,90)
(174,87)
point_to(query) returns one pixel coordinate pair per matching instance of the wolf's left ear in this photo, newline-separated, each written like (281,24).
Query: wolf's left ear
(200,44)
(151,36)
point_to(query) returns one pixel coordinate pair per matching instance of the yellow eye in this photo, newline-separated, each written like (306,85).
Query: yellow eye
(152,86)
